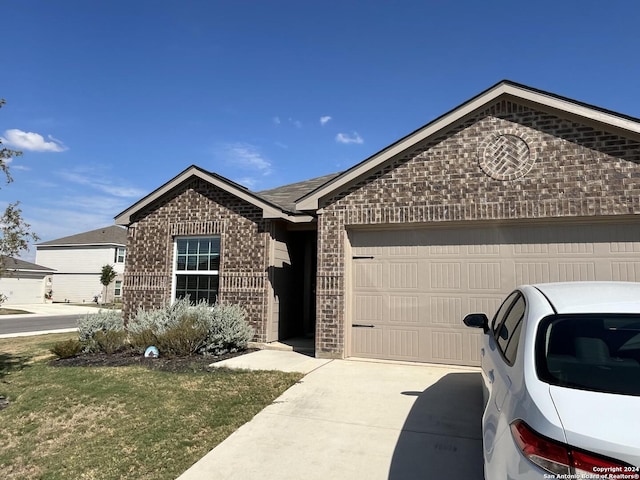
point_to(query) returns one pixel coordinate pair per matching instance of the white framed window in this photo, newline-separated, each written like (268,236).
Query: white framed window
(196,268)
(120,254)
(117,292)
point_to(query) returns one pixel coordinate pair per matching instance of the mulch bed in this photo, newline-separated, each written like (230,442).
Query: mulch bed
(195,363)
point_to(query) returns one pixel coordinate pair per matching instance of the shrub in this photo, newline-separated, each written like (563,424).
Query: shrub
(142,339)
(102,322)
(184,329)
(67,349)
(228,330)
(184,339)
(111,341)
(160,320)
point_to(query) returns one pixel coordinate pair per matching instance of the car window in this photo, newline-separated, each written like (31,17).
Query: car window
(510,330)
(502,312)
(600,353)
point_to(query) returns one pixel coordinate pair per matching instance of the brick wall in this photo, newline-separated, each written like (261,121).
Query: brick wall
(557,168)
(198,208)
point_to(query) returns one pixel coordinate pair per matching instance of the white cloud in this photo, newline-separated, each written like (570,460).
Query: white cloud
(324,120)
(248,182)
(30,141)
(247,156)
(276,120)
(295,123)
(102,184)
(346,138)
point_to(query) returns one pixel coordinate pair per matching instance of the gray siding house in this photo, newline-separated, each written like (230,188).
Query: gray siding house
(78,260)
(383,260)
(24,282)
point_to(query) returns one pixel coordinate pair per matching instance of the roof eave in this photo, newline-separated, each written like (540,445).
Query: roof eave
(110,244)
(31,270)
(268,210)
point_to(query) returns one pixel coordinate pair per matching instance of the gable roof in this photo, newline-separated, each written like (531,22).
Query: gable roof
(270,209)
(16,264)
(112,235)
(582,112)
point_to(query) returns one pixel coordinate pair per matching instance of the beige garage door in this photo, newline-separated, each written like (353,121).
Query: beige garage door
(410,289)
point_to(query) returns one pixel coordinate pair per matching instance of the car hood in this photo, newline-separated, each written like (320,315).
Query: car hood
(603,423)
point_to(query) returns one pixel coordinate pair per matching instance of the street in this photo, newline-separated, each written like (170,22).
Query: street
(37,323)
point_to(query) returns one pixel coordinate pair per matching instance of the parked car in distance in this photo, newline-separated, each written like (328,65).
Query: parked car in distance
(561,369)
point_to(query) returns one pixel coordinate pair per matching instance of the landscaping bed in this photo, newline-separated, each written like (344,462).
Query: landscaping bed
(166,364)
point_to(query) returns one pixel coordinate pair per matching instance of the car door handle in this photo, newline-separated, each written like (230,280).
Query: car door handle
(482,351)
(491,376)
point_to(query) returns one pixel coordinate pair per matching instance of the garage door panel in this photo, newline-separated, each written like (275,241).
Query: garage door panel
(484,276)
(625,271)
(446,346)
(414,287)
(404,343)
(532,272)
(471,349)
(368,342)
(368,308)
(576,271)
(445,275)
(404,309)
(369,275)
(444,310)
(411,251)
(403,275)
(486,304)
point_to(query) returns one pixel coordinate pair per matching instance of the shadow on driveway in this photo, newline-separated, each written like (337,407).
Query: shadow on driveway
(442,434)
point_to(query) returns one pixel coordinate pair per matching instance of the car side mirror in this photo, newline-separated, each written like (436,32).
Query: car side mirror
(477,320)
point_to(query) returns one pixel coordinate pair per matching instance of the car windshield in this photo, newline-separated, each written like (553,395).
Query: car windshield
(600,353)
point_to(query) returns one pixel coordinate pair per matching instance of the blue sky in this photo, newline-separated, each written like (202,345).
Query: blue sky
(108,100)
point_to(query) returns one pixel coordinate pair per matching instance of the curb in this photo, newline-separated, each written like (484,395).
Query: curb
(39,332)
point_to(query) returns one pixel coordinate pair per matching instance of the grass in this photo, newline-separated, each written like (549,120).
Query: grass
(117,422)
(11,311)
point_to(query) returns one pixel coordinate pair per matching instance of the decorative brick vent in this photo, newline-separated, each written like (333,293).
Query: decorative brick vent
(505,155)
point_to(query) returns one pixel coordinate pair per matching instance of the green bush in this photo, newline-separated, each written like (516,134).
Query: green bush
(228,330)
(142,339)
(102,330)
(111,341)
(67,349)
(184,329)
(103,321)
(184,339)
(162,319)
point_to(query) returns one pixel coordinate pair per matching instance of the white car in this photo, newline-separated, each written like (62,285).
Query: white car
(561,366)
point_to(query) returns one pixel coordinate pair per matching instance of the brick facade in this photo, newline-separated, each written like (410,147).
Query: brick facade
(199,208)
(564,169)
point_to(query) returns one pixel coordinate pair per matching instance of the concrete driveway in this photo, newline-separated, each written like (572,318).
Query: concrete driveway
(350,419)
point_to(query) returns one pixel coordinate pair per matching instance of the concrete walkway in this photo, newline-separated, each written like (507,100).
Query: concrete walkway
(350,419)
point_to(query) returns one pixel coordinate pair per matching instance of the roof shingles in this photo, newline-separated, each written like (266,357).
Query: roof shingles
(286,196)
(112,235)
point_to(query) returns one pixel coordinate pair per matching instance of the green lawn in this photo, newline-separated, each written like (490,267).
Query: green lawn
(117,422)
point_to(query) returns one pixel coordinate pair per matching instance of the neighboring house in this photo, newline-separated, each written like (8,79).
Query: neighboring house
(24,282)
(384,260)
(78,261)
